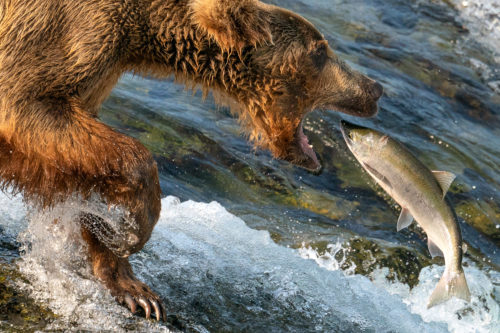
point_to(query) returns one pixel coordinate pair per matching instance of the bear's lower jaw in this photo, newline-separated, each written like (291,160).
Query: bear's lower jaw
(313,166)
(302,154)
(311,161)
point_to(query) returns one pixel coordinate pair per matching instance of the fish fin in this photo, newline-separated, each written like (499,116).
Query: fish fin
(451,284)
(434,249)
(444,178)
(405,219)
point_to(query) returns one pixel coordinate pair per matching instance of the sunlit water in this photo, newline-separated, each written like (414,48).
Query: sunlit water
(255,259)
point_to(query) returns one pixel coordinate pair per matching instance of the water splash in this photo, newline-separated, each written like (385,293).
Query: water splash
(333,259)
(216,273)
(222,266)
(481,315)
(54,261)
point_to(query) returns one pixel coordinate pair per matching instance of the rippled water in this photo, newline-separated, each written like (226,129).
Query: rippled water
(249,268)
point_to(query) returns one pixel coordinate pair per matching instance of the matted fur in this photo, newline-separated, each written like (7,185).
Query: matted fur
(233,24)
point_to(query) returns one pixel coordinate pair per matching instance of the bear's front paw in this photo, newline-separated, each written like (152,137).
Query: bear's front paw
(117,275)
(132,293)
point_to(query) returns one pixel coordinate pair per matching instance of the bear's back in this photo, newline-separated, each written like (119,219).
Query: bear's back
(60,48)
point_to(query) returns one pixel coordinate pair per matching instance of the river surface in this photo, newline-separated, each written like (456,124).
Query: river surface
(246,243)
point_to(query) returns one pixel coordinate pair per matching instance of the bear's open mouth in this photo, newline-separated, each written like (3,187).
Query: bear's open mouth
(310,160)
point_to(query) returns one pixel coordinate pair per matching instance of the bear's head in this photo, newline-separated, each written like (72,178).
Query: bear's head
(285,70)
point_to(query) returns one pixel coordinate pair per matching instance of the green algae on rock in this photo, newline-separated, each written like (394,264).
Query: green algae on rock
(482,215)
(18,311)
(363,256)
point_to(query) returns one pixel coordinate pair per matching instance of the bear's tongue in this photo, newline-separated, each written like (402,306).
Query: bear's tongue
(306,147)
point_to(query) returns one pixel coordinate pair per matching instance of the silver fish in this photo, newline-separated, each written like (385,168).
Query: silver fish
(420,193)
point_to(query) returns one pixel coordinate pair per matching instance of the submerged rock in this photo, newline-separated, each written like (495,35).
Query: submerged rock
(481,215)
(18,311)
(363,256)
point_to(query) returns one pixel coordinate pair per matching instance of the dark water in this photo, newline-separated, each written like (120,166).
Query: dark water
(441,76)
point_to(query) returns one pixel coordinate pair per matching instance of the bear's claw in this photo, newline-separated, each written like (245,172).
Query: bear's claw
(150,304)
(129,301)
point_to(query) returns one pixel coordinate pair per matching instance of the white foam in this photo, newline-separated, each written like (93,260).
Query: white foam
(481,315)
(54,261)
(201,252)
(205,237)
(482,18)
(12,213)
(333,259)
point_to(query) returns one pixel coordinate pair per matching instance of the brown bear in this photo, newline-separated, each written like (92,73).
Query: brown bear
(59,60)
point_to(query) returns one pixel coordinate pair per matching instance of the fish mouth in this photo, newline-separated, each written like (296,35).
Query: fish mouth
(346,129)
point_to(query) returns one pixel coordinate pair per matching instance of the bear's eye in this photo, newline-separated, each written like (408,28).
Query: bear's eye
(319,56)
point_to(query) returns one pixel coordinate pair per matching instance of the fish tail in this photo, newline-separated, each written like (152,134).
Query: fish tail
(451,284)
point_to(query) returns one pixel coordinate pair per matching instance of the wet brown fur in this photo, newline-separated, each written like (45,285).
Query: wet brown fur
(59,60)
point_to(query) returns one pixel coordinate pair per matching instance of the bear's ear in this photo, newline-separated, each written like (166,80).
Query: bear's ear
(233,24)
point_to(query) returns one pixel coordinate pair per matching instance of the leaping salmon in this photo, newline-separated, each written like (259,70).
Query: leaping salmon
(420,193)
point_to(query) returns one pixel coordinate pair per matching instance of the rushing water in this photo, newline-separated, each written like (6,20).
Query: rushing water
(281,249)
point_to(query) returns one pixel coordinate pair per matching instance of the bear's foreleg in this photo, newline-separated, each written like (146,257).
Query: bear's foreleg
(52,150)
